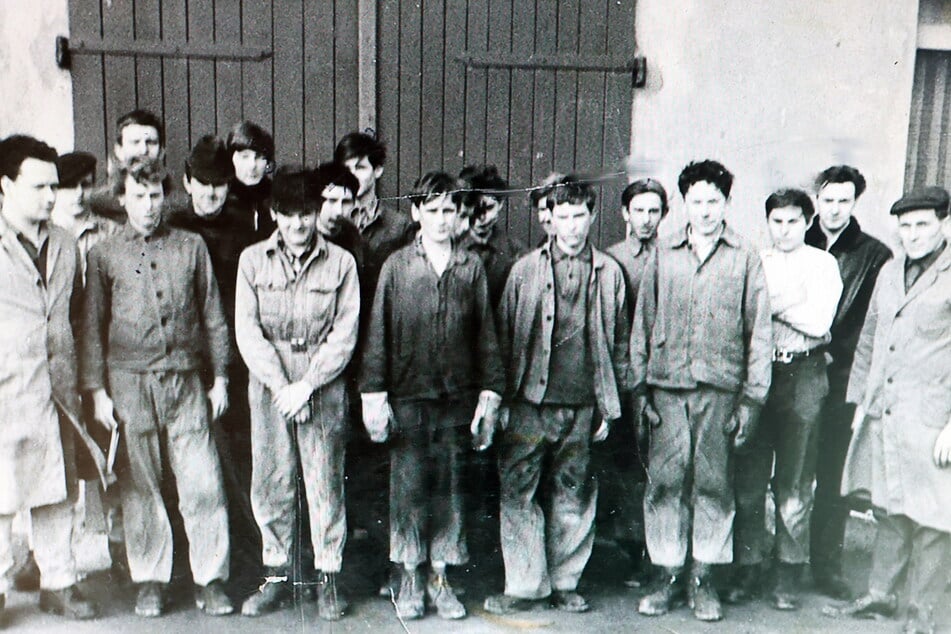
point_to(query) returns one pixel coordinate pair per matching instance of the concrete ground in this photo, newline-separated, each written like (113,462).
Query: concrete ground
(614,607)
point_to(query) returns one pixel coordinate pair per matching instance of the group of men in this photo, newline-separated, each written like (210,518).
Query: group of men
(693,373)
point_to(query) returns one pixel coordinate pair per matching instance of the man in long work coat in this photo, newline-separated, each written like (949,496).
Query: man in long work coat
(901,444)
(39,279)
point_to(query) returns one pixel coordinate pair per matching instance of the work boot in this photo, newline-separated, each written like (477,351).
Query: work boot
(409,602)
(920,620)
(744,584)
(870,606)
(786,592)
(669,593)
(274,593)
(331,604)
(68,602)
(212,600)
(27,578)
(505,604)
(443,598)
(703,595)
(150,601)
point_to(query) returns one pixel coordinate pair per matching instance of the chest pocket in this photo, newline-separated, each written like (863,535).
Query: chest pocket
(320,299)
(932,319)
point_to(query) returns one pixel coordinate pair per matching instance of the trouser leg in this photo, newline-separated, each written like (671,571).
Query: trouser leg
(620,467)
(752,469)
(409,474)
(830,510)
(7,560)
(447,500)
(713,494)
(666,500)
(146,526)
(929,566)
(321,443)
(273,477)
(572,492)
(193,460)
(522,452)
(52,546)
(796,446)
(891,553)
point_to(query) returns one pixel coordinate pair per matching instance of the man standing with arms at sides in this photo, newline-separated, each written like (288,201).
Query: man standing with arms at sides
(860,257)
(900,453)
(563,331)
(701,350)
(622,459)
(139,134)
(153,334)
(298,303)
(431,358)
(804,289)
(40,281)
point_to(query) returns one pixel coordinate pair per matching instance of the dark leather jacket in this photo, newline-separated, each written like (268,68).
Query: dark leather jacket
(860,257)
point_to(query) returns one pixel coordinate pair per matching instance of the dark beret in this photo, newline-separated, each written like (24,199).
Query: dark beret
(210,161)
(923,198)
(292,190)
(74,167)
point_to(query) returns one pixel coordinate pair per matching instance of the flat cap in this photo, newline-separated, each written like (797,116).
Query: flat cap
(923,198)
(74,167)
(210,161)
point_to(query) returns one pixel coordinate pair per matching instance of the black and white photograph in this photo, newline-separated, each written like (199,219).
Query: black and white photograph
(480,316)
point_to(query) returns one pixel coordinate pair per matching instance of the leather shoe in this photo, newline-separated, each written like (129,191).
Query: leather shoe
(212,600)
(68,602)
(669,593)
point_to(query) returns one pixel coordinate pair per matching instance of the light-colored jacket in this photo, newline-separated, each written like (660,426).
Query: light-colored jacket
(37,368)
(902,377)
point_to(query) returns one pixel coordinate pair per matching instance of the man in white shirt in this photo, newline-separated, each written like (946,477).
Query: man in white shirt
(804,290)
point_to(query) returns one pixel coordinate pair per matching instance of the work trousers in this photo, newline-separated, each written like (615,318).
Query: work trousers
(621,466)
(830,510)
(52,530)
(166,413)
(689,502)
(320,446)
(907,550)
(789,431)
(548,498)
(427,453)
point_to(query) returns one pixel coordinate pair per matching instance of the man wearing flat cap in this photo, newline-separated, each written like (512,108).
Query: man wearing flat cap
(227,229)
(900,452)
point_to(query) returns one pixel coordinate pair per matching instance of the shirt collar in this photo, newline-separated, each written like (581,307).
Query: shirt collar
(129,233)
(457,256)
(727,236)
(558,255)
(639,246)
(366,216)
(275,244)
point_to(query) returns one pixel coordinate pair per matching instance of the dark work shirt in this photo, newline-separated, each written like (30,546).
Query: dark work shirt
(632,254)
(388,232)
(498,253)
(37,255)
(571,372)
(915,268)
(151,304)
(431,337)
(254,203)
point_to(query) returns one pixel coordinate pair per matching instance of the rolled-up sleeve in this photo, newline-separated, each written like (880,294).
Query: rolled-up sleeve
(335,352)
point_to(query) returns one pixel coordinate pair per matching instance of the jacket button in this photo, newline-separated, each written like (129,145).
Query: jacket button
(888,412)
(888,380)
(891,348)
(153,265)
(548,318)
(164,320)
(158,294)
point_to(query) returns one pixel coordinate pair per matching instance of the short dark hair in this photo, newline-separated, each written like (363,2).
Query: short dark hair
(333,173)
(791,198)
(17,148)
(541,193)
(482,180)
(250,136)
(645,186)
(432,184)
(144,170)
(573,190)
(359,144)
(841,174)
(292,191)
(710,171)
(140,117)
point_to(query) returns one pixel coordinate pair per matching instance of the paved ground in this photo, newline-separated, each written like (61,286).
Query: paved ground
(614,608)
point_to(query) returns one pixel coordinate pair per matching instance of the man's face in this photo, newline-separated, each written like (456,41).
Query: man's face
(570,224)
(544,215)
(337,203)
(32,194)
(143,205)
(71,201)
(643,215)
(297,229)
(137,141)
(490,207)
(249,166)
(835,204)
(787,228)
(920,232)
(706,208)
(207,199)
(366,174)
(436,218)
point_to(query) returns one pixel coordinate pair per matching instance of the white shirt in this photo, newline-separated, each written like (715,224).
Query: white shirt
(804,290)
